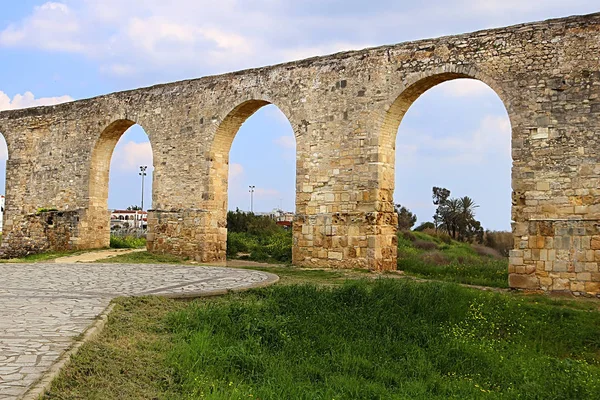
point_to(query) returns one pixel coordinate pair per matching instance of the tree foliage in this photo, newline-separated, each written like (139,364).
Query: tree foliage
(406,219)
(456,216)
(134,208)
(239,221)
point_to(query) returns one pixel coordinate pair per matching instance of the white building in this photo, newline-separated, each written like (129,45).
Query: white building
(128,219)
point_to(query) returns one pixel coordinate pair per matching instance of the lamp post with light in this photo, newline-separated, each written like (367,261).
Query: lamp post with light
(143,174)
(252,187)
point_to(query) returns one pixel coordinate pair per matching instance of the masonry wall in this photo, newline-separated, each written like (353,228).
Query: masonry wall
(345,110)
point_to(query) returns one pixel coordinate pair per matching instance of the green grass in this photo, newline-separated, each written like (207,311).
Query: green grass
(127,360)
(127,242)
(41,257)
(387,339)
(270,246)
(143,257)
(452,262)
(383,339)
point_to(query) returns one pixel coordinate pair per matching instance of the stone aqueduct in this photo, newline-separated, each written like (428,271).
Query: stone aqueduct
(345,110)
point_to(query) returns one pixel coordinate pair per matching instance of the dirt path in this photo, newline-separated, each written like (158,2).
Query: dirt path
(95,256)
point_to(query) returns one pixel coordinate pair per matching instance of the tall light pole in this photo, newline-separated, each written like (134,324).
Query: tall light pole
(252,198)
(143,169)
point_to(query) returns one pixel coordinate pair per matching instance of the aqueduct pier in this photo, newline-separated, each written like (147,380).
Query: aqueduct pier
(345,110)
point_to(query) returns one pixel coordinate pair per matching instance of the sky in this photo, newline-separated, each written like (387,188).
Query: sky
(456,135)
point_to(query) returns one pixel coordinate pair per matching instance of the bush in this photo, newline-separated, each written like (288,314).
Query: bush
(503,242)
(265,246)
(409,236)
(442,236)
(435,258)
(486,251)
(127,242)
(258,225)
(425,245)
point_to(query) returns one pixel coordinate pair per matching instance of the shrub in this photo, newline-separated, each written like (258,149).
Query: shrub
(265,246)
(486,251)
(409,236)
(127,242)
(442,236)
(425,245)
(435,258)
(237,243)
(501,241)
(257,225)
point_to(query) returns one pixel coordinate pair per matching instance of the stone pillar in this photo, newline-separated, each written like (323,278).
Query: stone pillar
(193,234)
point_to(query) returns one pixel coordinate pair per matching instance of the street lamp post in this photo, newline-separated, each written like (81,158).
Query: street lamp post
(142,173)
(252,198)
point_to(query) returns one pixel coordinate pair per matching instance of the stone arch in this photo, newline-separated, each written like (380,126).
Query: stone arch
(224,134)
(411,88)
(95,229)
(222,139)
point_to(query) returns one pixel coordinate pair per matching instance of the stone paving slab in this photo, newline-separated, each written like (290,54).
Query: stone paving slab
(44,307)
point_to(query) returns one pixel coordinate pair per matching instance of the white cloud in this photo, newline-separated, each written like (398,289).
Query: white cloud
(203,36)
(465,88)
(492,138)
(52,26)
(128,156)
(121,70)
(287,142)
(236,171)
(27,100)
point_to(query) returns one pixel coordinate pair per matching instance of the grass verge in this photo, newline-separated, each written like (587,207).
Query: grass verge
(386,338)
(143,257)
(426,256)
(32,258)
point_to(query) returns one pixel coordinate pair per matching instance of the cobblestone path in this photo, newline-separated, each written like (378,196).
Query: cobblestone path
(44,307)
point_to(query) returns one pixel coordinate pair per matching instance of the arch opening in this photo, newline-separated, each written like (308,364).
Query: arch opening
(115,207)
(253,173)
(451,131)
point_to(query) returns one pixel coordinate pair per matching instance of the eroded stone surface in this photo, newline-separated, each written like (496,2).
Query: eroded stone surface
(345,110)
(43,307)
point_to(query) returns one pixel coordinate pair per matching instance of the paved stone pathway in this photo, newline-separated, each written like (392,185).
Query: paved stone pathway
(44,307)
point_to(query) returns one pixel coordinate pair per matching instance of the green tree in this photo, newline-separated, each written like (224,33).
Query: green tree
(406,219)
(440,196)
(456,216)
(239,221)
(134,208)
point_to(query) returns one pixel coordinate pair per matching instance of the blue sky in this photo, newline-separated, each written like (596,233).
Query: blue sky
(456,135)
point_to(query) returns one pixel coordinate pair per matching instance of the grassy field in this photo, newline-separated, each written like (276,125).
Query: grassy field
(356,339)
(429,257)
(347,334)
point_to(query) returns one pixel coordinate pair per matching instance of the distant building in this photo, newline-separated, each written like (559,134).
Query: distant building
(282,218)
(125,219)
